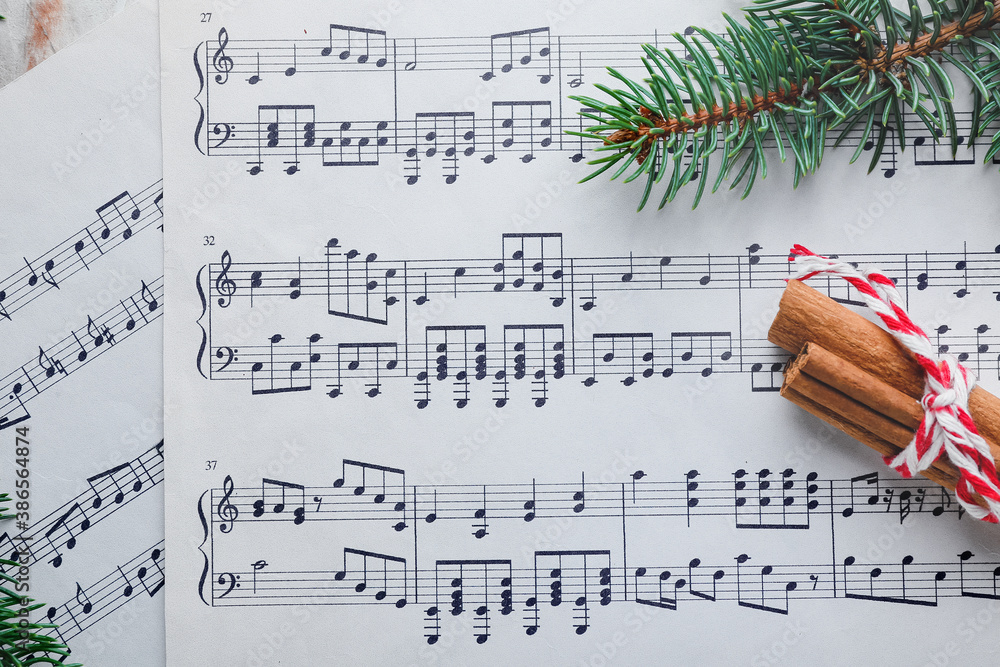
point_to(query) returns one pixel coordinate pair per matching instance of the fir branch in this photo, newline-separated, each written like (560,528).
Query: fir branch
(22,642)
(4,498)
(794,72)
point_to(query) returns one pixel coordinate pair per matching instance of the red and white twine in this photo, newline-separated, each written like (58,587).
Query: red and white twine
(947,426)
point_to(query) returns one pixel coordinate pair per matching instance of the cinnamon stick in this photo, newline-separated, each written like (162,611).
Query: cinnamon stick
(812,376)
(875,442)
(859,396)
(806,315)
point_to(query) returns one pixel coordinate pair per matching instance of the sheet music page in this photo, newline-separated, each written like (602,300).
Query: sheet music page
(430,401)
(80,360)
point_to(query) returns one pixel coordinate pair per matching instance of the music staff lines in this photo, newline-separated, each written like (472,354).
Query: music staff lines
(366,51)
(533,57)
(764,499)
(343,274)
(287,137)
(79,348)
(109,491)
(769,588)
(118,221)
(142,574)
(356,49)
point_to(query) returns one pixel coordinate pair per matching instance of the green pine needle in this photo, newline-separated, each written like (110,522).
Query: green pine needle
(794,72)
(4,498)
(23,644)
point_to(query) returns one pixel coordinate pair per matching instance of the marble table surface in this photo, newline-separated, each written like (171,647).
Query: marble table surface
(35,29)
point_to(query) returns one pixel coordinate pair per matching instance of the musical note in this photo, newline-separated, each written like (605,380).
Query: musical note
(537,351)
(252,80)
(576,78)
(526,262)
(963,266)
(366,361)
(925,151)
(696,352)
(62,526)
(110,475)
(661,600)
(475,584)
(148,297)
(48,365)
(339,34)
(640,354)
(714,578)
(127,591)
(397,587)
(85,605)
(257,567)
(763,603)
(154,557)
(283,124)
(480,515)
(531,506)
(46,274)
(515,127)
(870,479)
(992,579)
(120,212)
(462,360)
(356,145)
(259,505)
(519,46)
(396,489)
(884,585)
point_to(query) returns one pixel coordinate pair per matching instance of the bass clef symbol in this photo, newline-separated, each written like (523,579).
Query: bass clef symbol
(222,63)
(224,285)
(226,510)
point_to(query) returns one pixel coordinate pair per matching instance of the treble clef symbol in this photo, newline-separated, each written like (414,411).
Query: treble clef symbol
(226,510)
(225,285)
(220,61)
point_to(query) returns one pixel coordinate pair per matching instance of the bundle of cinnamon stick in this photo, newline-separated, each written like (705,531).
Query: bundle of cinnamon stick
(853,374)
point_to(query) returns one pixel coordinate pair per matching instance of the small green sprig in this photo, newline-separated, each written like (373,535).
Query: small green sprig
(796,72)
(24,643)
(4,498)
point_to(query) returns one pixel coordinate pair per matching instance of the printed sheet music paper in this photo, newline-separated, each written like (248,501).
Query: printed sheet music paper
(81,248)
(430,402)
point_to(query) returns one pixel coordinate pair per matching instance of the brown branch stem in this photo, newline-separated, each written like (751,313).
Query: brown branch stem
(923,46)
(744,111)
